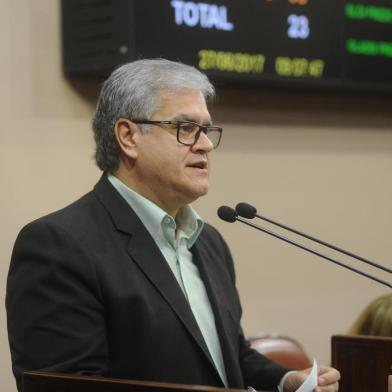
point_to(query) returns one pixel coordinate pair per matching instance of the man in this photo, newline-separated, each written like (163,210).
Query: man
(128,281)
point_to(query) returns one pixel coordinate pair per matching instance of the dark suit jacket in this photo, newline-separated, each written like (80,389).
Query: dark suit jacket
(89,292)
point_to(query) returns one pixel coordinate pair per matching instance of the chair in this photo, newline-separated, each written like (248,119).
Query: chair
(281,349)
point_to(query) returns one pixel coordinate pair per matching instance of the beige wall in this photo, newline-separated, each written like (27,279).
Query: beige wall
(321,163)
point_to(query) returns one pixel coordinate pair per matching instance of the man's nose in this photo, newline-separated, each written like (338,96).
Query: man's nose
(203,143)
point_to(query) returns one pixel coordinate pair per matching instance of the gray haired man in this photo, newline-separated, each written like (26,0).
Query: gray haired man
(128,281)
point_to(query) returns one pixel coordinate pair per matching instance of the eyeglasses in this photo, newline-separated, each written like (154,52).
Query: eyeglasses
(188,132)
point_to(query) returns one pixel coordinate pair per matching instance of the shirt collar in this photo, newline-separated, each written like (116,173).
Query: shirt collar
(158,223)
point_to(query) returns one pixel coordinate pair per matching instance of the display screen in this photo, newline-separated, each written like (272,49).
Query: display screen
(336,43)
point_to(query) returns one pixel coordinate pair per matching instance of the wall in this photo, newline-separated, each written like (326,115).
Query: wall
(319,162)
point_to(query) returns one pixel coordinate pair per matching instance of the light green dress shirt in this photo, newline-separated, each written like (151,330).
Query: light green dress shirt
(174,238)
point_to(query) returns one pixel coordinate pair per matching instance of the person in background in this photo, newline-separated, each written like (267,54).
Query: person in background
(129,281)
(375,319)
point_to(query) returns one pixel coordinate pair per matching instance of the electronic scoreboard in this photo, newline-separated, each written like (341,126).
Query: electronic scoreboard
(343,44)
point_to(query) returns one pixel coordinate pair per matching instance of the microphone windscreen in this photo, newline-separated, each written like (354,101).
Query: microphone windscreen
(227,214)
(246,210)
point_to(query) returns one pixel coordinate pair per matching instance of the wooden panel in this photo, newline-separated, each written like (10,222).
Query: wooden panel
(363,361)
(57,382)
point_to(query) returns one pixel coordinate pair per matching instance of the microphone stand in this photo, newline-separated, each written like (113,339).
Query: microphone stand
(309,237)
(315,252)
(230,215)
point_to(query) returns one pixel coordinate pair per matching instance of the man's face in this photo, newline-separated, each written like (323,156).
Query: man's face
(169,173)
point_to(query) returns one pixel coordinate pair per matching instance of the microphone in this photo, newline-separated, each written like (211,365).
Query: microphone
(227,214)
(230,215)
(248,211)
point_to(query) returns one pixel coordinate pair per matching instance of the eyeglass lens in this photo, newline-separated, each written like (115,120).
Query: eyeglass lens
(188,133)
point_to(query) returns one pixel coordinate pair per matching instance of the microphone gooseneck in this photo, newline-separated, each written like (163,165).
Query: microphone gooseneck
(248,211)
(228,214)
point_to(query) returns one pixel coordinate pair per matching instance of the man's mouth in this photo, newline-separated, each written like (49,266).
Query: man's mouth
(199,165)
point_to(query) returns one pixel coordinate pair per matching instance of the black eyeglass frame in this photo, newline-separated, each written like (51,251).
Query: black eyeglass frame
(202,128)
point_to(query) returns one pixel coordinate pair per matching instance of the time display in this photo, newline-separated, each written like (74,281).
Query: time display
(338,43)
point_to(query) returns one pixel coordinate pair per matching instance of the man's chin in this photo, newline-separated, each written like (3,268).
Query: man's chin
(197,192)
(203,189)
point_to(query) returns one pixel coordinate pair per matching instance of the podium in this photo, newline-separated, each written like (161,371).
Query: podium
(59,382)
(365,362)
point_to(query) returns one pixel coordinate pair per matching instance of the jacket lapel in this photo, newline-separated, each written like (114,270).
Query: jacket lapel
(146,254)
(217,294)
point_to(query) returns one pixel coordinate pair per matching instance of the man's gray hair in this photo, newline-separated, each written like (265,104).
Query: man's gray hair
(131,91)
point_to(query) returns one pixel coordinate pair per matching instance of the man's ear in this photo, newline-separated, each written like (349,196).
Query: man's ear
(126,134)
